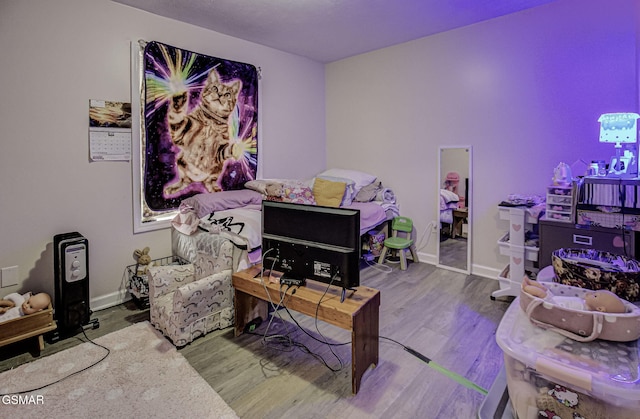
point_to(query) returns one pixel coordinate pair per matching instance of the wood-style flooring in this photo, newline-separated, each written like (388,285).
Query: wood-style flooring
(453,252)
(446,316)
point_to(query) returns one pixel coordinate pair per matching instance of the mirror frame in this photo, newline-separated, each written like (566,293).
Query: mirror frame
(469,210)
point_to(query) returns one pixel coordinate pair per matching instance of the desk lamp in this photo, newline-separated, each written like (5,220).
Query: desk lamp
(621,128)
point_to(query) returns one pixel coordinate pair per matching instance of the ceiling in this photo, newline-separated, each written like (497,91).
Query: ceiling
(329,30)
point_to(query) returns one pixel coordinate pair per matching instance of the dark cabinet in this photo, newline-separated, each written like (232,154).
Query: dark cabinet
(557,235)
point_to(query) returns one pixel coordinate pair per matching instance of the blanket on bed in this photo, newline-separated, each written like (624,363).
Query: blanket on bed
(240,225)
(448,200)
(371,215)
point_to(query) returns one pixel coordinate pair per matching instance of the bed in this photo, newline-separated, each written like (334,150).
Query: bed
(207,218)
(448,202)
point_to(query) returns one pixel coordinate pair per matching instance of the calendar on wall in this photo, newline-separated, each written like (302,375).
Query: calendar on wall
(109,131)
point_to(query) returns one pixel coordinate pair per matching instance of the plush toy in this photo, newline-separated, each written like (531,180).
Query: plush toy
(600,300)
(274,191)
(143,261)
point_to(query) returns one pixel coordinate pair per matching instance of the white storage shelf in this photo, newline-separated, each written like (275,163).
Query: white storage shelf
(507,249)
(506,214)
(520,220)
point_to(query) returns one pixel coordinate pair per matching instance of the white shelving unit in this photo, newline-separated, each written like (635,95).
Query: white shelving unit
(520,255)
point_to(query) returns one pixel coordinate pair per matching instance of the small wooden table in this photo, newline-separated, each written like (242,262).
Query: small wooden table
(459,217)
(359,313)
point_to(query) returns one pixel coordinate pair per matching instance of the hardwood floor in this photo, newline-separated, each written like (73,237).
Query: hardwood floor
(453,252)
(446,316)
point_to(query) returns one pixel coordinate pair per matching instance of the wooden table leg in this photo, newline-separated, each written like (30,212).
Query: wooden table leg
(365,341)
(247,308)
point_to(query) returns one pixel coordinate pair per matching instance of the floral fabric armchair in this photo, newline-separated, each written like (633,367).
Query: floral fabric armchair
(187,301)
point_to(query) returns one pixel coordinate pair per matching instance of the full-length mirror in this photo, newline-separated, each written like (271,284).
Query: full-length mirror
(454,198)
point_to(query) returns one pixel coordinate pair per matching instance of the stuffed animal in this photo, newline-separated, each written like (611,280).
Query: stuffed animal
(599,300)
(143,261)
(274,191)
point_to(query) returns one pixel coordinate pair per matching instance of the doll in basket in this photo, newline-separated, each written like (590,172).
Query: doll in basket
(600,300)
(15,305)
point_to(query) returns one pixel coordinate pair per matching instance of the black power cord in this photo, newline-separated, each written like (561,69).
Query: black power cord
(69,375)
(286,339)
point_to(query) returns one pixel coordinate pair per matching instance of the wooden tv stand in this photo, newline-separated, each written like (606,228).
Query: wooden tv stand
(359,313)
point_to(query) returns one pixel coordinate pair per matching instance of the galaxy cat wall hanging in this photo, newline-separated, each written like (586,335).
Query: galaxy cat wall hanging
(198,128)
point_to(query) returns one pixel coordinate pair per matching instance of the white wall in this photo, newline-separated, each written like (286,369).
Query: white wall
(525,90)
(56,56)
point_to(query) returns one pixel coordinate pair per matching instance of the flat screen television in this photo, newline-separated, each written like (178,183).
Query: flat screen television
(312,242)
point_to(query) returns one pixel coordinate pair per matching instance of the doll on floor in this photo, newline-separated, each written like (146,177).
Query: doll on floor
(599,300)
(15,305)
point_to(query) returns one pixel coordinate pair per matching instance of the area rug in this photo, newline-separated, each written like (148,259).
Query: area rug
(143,377)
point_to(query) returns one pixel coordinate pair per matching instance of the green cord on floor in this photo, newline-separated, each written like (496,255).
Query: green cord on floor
(456,377)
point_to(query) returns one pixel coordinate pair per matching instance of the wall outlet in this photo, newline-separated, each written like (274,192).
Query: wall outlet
(9,276)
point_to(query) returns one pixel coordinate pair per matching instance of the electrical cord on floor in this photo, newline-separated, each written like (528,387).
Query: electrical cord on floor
(378,266)
(448,373)
(324,342)
(69,375)
(280,338)
(324,339)
(286,341)
(318,328)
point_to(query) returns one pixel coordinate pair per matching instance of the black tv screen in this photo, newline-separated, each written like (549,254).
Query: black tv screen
(312,242)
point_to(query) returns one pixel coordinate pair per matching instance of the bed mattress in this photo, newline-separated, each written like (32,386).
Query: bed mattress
(225,226)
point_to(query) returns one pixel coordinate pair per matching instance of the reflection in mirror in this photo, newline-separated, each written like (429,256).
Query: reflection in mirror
(454,224)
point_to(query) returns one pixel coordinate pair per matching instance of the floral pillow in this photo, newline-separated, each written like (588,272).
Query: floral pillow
(298,195)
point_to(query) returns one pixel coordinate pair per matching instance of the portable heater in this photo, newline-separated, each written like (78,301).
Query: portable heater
(71,268)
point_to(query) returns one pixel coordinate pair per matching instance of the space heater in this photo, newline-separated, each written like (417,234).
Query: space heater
(71,269)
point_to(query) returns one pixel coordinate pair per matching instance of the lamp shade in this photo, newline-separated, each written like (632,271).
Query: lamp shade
(618,127)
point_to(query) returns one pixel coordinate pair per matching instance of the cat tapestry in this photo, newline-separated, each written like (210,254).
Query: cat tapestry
(199,122)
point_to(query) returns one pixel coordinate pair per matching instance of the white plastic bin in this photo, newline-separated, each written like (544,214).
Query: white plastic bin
(549,374)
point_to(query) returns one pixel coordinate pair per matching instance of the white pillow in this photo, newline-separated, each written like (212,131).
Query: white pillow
(361,179)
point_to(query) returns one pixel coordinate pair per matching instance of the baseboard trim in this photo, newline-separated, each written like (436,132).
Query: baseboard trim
(109,300)
(428,258)
(485,271)
(478,270)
